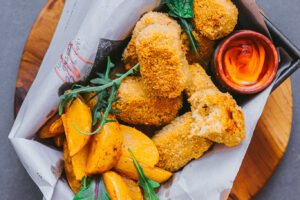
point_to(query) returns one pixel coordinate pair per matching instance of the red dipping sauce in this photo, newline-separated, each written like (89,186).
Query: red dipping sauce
(246,62)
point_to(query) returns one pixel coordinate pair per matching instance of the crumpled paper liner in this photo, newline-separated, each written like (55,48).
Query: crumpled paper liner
(76,44)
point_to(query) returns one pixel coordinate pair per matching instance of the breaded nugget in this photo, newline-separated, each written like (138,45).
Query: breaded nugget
(197,80)
(155,18)
(176,145)
(217,117)
(129,55)
(215,18)
(163,63)
(205,49)
(138,107)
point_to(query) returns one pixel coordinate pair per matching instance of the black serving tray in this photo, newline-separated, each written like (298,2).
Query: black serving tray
(289,54)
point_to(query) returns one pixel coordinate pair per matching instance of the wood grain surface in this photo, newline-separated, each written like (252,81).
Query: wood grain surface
(270,138)
(37,44)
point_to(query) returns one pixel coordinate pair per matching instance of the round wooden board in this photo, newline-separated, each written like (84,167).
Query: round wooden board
(270,138)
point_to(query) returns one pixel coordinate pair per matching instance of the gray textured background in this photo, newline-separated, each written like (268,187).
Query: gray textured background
(16,19)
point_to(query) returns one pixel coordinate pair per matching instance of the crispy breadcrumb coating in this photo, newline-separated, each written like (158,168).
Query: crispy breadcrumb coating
(217,117)
(176,146)
(138,107)
(155,18)
(198,80)
(163,63)
(129,55)
(215,18)
(205,49)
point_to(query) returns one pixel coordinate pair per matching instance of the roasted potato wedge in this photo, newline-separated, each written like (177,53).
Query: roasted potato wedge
(57,127)
(105,149)
(115,186)
(46,132)
(134,190)
(77,118)
(59,140)
(79,162)
(140,144)
(90,99)
(126,167)
(73,182)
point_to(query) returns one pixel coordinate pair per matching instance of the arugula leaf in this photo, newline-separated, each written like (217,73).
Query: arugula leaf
(92,189)
(187,27)
(183,11)
(64,100)
(144,182)
(105,90)
(100,105)
(180,8)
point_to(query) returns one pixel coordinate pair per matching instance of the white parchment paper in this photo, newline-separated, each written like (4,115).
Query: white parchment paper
(70,58)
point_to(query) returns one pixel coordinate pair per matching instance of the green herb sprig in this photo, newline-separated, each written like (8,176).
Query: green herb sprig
(92,189)
(183,11)
(145,183)
(105,90)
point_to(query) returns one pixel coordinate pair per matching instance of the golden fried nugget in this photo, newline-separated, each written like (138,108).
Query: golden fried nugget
(205,49)
(138,107)
(129,55)
(217,117)
(198,80)
(176,145)
(163,63)
(215,18)
(155,18)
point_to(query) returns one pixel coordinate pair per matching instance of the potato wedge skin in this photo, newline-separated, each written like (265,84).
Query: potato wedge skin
(105,149)
(45,132)
(73,183)
(79,163)
(59,140)
(126,167)
(57,127)
(78,115)
(140,144)
(90,99)
(134,190)
(115,186)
